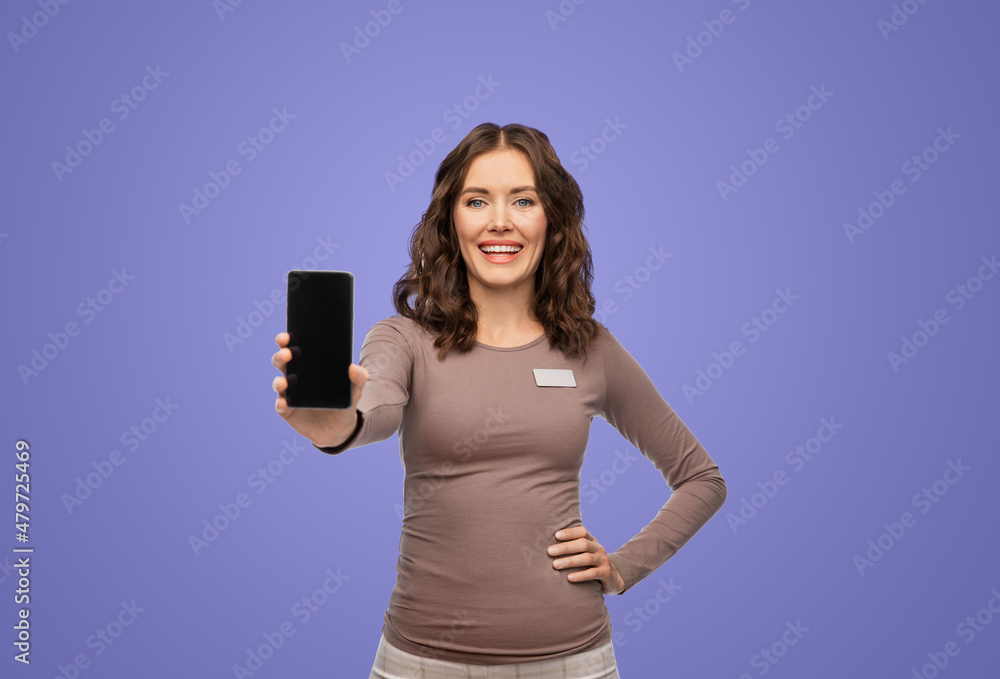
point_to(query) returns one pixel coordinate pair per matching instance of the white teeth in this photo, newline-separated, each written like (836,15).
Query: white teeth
(500,248)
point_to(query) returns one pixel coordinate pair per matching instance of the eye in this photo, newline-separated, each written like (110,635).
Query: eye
(474,200)
(528,200)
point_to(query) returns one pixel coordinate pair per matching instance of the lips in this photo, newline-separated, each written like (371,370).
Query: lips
(500,257)
(500,246)
(493,250)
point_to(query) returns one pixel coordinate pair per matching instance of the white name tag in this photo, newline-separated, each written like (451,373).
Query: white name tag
(553,377)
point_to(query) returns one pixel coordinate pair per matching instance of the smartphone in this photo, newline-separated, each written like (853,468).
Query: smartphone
(320,323)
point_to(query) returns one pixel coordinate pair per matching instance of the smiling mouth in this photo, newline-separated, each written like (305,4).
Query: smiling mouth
(500,255)
(500,249)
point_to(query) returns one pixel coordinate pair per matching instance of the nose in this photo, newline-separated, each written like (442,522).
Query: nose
(500,220)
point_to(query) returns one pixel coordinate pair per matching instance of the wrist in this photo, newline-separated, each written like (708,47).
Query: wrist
(358,420)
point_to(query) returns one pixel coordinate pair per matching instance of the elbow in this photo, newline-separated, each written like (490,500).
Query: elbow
(722,491)
(711,487)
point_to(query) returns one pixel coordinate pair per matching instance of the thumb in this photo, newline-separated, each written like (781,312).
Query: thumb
(359,376)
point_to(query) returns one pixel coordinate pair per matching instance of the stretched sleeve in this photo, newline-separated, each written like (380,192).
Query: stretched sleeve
(387,355)
(636,409)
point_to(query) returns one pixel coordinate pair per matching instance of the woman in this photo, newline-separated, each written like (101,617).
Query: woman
(491,374)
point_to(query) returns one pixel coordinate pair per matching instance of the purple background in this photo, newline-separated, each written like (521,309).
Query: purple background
(653,185)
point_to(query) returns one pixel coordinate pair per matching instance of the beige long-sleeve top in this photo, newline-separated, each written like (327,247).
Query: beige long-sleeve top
(492,470)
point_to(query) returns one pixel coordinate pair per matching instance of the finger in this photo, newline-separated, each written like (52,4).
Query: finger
(571,533)
(569,545)
(575,561)
(578,546)
(359,374)
(281,406)
(281,339)
(583,576)
(281,358)
(279,384)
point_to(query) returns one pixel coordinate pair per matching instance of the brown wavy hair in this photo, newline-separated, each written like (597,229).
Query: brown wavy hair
(437,279)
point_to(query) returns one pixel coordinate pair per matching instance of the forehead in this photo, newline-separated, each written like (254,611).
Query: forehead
(500,168)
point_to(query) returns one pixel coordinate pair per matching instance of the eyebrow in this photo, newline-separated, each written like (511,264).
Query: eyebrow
(516,189)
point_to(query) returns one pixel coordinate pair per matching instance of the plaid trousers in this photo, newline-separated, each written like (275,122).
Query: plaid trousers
(393,663)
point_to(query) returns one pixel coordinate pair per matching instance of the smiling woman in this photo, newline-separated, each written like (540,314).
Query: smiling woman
(498,214)
(502,185)
(492,373)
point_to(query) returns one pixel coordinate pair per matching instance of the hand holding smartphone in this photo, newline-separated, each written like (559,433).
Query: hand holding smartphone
(320,322)
(319,343)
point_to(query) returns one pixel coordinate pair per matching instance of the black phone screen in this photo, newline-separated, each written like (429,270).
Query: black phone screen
(320,325)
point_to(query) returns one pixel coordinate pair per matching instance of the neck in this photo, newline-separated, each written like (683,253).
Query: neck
(505,315)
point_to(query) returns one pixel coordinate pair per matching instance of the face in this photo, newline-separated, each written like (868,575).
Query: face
(498,205)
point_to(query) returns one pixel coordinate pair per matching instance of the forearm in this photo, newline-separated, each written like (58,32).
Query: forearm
(685,512)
